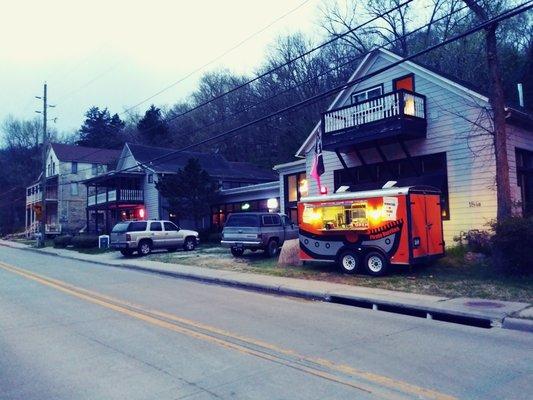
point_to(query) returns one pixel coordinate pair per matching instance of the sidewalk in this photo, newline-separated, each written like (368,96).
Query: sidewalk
(477,312)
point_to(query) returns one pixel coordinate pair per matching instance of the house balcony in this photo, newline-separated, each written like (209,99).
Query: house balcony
(399,115)
(116,196)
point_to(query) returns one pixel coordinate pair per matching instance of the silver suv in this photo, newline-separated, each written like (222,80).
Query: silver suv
(257,231)
(143,236)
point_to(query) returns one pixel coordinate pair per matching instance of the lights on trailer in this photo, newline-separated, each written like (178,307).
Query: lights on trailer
(312,215)
(323,189)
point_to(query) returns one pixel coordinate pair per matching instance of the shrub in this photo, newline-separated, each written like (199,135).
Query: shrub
(85,241)
(510,245)
(478,241)
(62,241)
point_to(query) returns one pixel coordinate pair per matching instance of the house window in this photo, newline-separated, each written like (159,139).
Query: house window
(150,178)
(74,167)
(295,188)
(430,170)
(524,173)
(406,82)
(367,94)
(94,169)
(74,189)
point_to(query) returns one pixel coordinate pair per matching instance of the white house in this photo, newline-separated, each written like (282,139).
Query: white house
(415,126)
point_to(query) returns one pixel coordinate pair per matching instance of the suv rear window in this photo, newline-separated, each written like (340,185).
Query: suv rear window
(243,220)
(121,227)
(137,227)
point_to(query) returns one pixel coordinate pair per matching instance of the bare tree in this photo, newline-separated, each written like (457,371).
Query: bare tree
(497,103)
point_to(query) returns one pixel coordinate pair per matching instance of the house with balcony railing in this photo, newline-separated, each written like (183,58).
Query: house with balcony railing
(65,196)
(417,126)
(129,192)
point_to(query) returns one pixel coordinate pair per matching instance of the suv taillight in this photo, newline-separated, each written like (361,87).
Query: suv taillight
(128,237)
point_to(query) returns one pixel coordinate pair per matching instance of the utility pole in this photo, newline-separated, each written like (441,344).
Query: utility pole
(43,172)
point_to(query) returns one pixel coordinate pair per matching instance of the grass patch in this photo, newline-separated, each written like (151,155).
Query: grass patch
(459,274)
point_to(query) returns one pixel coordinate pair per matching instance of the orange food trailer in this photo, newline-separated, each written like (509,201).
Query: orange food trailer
(372,229)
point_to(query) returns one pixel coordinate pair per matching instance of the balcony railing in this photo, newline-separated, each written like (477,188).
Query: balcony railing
(122,195)
(395,104)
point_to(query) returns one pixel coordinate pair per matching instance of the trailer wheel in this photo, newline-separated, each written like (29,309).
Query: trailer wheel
(376,264)
(349,262)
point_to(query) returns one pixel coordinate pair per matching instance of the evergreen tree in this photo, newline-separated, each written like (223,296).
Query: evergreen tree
(100,129)
(153,129)
(189,192)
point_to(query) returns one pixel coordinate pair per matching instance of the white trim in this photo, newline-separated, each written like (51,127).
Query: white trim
(251,188)
(288,165)
(426,73)
(359,195)
(301,151)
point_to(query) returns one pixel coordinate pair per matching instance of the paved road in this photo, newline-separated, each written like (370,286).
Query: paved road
(72,330)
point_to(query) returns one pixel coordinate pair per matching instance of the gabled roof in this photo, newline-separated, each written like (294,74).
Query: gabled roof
(215,164)
(92,155)
(441,79)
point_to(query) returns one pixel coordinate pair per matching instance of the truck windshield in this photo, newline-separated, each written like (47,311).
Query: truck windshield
(121,228)
(243,220)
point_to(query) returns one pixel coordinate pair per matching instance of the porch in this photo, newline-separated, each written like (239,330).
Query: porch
(113,197)
(398,115)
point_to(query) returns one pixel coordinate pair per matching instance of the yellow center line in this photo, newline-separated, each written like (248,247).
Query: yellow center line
(310,365)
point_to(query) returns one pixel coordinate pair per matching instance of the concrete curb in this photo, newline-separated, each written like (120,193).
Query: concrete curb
(518,324)
(428,311)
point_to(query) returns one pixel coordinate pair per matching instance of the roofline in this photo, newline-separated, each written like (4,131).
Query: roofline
(466,92)
(288,164)
(251,188)
(300,153)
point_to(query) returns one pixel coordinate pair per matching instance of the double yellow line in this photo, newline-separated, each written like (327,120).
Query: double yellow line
(377,385)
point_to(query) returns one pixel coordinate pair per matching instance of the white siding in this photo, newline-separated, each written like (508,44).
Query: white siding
(517,138)
(151,198)
(469,151)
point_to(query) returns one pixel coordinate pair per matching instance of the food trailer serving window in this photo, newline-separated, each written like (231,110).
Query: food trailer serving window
(337,216)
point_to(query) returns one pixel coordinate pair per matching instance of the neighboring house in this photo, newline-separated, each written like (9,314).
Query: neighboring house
(66,166)
(418,127)
(130,191)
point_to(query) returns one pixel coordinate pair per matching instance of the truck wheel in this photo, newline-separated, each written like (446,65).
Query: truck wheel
(349,262)
(272,248)
(126,252)
(145,248)
(376,264)
(237,252)
(189,244)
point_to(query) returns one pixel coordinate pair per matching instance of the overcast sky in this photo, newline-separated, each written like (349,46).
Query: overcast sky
(115,53)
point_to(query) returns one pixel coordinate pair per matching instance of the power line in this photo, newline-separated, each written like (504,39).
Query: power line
(216,58)
(304,54)
(503,16)
(278,67)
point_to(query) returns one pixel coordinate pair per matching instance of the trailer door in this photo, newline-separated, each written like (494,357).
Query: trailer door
(426,228)
(435,240)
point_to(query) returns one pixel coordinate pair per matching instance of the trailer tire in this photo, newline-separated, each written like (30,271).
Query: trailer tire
(376,264)
(349,261)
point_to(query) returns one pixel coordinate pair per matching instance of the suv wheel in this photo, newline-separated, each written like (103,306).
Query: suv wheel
(237,252)
(145,248)
(272,248)
(189,244)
